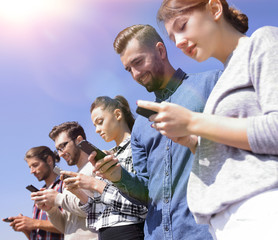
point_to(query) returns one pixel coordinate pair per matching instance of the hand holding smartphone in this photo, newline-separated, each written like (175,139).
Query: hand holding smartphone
(31,188)
(88,148)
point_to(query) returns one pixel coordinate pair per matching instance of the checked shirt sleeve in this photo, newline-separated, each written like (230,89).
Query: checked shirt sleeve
(113,197)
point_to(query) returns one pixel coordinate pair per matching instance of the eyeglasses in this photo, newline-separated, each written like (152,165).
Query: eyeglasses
(62,146)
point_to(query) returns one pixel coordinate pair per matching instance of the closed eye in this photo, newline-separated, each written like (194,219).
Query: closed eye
(182,26)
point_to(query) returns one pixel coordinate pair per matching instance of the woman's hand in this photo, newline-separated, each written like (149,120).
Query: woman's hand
(108,167)
(172,120)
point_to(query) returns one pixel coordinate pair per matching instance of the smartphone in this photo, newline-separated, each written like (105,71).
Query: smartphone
(145,112)
(7,220)
(58,170)
(31,188)
(88,148)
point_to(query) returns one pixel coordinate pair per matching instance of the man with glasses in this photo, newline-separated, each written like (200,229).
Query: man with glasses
(72,221)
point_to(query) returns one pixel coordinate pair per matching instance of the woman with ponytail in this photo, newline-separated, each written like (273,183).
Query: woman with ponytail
(113,121)
(119,219)
(233,185)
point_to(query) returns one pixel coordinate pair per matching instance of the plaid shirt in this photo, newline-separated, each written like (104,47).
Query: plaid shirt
(117,210)
(39,214)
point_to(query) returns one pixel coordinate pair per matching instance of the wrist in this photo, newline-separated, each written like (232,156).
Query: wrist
(98,185)
(36,224)
(195,123)
(101,186)
(193,143)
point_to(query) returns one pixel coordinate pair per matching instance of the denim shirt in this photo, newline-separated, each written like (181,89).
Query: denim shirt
(163,166)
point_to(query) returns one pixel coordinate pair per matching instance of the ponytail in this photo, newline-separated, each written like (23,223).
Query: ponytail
(119,102)
(42,153)
(129,118)
(235,17)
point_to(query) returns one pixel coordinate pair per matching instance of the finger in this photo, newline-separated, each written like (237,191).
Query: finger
(149,105)
(111,161)
(112,173)
(110,164)
(38,193)
(37,198)
(108,152)
(69,173)
(92,156)
(70,181)
(100,163)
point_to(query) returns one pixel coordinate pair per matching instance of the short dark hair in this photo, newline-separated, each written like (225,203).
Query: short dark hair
(145,34)
(73,130)
(42,153)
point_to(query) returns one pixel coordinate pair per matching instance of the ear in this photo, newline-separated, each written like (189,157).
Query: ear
(79,139)
(118,114)
(161,49)
(49,161)
(216,9)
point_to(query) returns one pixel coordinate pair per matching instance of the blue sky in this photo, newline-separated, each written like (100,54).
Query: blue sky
(56,57)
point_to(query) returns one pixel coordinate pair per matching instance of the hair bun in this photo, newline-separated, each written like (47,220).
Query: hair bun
(57,157)
(239,20)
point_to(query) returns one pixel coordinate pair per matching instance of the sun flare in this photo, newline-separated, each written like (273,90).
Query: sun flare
(26,11)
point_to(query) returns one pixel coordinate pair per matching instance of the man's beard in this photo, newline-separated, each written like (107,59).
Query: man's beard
(46,174)
(157,77)
(155,85)
(74,156)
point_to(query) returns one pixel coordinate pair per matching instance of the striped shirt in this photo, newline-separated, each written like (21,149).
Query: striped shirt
(39,214)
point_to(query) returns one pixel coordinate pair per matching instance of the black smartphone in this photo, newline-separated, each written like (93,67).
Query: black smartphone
(31,188)
(7,220)
(145,112)
(58,170)
(88,148)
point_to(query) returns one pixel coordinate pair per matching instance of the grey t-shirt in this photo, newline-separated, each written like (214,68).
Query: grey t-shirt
(248,88)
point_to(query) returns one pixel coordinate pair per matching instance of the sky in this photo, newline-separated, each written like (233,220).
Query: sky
(56,57)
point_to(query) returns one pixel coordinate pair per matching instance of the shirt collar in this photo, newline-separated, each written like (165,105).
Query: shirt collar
(122,145)
(54,183)
(171,87)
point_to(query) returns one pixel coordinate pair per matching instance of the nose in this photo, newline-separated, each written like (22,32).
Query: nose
(32,170)
(61,153)
(181,42)
(98,129)
(135,73)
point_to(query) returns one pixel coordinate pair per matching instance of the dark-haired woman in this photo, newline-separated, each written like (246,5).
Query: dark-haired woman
(119,219)
(233,185)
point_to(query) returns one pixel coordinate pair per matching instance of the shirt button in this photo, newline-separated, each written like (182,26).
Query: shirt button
(167,148)
(166,228)
(166,200)
(167,173)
